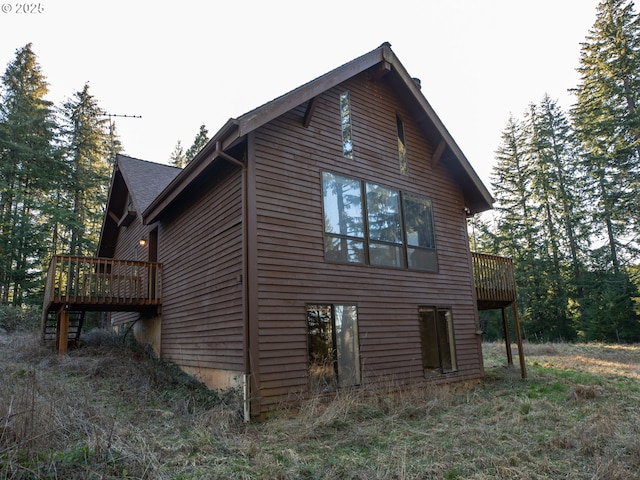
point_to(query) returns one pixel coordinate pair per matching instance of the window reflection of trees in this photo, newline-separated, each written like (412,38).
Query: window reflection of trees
(384,245)
(343,218)
(334,353)
(345,117)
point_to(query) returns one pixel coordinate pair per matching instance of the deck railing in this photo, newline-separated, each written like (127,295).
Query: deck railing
(494,279)
(87,281)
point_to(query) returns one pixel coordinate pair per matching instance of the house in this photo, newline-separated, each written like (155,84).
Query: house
(317,242)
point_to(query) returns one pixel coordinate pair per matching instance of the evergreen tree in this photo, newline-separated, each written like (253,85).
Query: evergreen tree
(608,124)
(28,167)
(88,146)
(200,141)
(178,157)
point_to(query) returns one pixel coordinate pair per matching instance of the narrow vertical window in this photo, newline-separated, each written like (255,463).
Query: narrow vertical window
(334,352)
(436,336)
(402,147)
(345,116)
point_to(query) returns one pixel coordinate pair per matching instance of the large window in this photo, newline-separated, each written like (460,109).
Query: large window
(334,352)
(382,227)
(436,336)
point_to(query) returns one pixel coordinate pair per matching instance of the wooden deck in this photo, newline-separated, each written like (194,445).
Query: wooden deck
(81,284)
(495,284)
(494,281)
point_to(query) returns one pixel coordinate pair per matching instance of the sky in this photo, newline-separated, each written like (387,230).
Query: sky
(179,65)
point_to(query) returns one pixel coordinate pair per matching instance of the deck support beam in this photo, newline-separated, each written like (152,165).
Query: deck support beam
(516,324)
(507,336)
(63,330)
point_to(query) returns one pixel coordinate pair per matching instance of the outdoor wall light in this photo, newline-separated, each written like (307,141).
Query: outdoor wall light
(143,242)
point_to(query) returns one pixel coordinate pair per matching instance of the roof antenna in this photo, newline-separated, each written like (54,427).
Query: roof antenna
(111,127)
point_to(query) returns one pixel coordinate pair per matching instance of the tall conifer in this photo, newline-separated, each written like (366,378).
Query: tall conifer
(28,167)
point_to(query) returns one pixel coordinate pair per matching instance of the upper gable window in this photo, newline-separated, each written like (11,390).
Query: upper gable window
(345,116)
(402,147)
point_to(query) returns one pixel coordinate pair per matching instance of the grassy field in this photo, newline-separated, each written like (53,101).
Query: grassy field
(108,410)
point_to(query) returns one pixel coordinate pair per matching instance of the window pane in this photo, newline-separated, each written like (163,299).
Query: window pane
(445,341)
(345,116)
(322,375)
(385,255)
(422,259)
(402,148)
(347,348)
(383,213)
(428,338)
(418,223)
(342,205)
(340,249)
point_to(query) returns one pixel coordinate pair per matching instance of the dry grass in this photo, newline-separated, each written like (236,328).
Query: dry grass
(110,411)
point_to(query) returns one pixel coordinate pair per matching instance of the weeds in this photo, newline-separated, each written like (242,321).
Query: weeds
(109,410)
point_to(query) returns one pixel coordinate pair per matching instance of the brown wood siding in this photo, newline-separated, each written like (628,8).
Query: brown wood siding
(127,243)
(291,268)
(201,252)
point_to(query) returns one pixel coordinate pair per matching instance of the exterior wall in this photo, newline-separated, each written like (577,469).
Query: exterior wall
(201,252)
(128,248)
(291,270)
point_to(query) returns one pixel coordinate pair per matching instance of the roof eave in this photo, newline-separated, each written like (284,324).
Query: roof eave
(226,137)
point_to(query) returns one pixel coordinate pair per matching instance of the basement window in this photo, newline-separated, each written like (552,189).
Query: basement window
(436,336)
(345,117)
(334,351)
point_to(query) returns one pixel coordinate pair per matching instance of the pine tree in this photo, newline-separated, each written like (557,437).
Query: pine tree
(28,167)
(200,141)
(88,146)
(178,157)
(607,123)
(556,193)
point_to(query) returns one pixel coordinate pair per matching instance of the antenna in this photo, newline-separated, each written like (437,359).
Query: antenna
(111,125)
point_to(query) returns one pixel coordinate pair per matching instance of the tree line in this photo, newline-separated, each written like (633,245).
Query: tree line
(566,186)
(55,167)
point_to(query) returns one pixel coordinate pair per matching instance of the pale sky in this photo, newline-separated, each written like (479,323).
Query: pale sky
(182,64)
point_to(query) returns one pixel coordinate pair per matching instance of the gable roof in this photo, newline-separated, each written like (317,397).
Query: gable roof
(143,181)
(385,64)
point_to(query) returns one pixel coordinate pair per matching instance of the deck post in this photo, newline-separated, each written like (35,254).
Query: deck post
(507,336)
(523,368)
(63,330)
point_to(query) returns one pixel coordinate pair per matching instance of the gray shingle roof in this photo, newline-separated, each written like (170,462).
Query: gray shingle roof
(145,180)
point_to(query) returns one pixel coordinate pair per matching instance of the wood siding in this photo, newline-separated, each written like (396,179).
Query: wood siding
(128,248)
(201,251)
(291,269)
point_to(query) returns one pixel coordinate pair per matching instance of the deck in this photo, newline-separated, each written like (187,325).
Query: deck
(81,284)
(494,280)
(495,285)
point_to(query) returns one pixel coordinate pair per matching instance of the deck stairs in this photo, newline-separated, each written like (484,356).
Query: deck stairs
(51,328)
